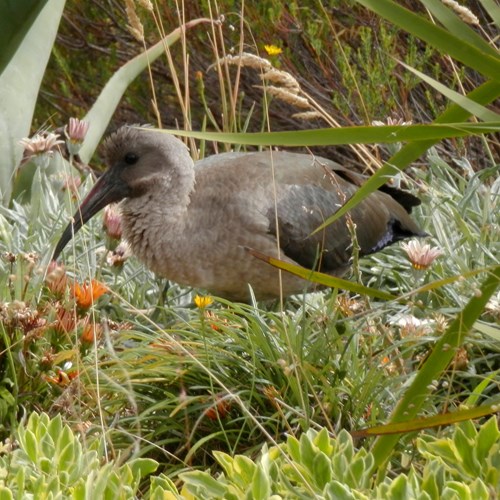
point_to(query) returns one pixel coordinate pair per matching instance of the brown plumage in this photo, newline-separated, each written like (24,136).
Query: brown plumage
(193,224)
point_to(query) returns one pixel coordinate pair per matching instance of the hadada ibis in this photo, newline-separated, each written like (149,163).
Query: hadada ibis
(193,223)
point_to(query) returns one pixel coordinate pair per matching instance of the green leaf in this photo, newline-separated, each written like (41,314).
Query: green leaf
(226,461)
(66,458)
(30,445)
(454,490)
(307,452)
(427,422)
(486,63)
(261,487)
(16,19)
(465,448)
(493,10)
(479,490)
(398,489)
(489,329)
(142,467)
(322,470)
(484,94)
(209,486)
(461,30)
(464,102)
(322,278)
(339,491)
(20,81)
(487,437)
(244,469)
(324,442)
(293,447)
(5,493)
(345,135)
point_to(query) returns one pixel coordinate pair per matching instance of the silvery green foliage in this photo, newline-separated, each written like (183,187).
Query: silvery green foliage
(51,462)
(318,466)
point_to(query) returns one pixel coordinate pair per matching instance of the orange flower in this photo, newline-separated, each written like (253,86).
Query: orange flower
(90,333)
(63,378)
(66,321)
(88,293)
(219,410)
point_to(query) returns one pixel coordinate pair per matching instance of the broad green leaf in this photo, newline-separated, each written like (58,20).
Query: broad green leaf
(142,467)
(5,493)
(67,458)
(19,86)
(206,482)
(30,445)
(110,96)
(244,468)
(16,19)
(261,487)
(293,447)
(322,470)
(338,490)
(487,437)
(307,452)
(323,442)
(226,461)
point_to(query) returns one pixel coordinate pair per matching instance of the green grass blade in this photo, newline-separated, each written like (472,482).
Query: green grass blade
(414,399)
(491,330)
(493,9)
(484,94)
(419,424)
(346,135)
(457,27)
(322,278)
(471,106)
(486,63)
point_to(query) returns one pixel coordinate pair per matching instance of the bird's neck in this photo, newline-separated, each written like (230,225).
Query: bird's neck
(158,214)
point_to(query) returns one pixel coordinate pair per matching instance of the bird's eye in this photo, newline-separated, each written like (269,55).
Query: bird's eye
(131,158)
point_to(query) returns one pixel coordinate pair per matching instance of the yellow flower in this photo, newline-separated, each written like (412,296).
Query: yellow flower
(273,50)
(203,301)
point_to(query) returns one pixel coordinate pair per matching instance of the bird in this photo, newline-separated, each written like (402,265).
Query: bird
(194,223)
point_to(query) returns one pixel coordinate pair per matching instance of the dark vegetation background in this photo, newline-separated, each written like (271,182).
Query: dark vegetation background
(339,52)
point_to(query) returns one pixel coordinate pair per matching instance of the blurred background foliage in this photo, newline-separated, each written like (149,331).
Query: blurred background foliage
(340,52)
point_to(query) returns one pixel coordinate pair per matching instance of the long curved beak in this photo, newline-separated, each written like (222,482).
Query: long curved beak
(108,189)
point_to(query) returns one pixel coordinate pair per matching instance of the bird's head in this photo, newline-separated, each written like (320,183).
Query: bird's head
(137,157)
